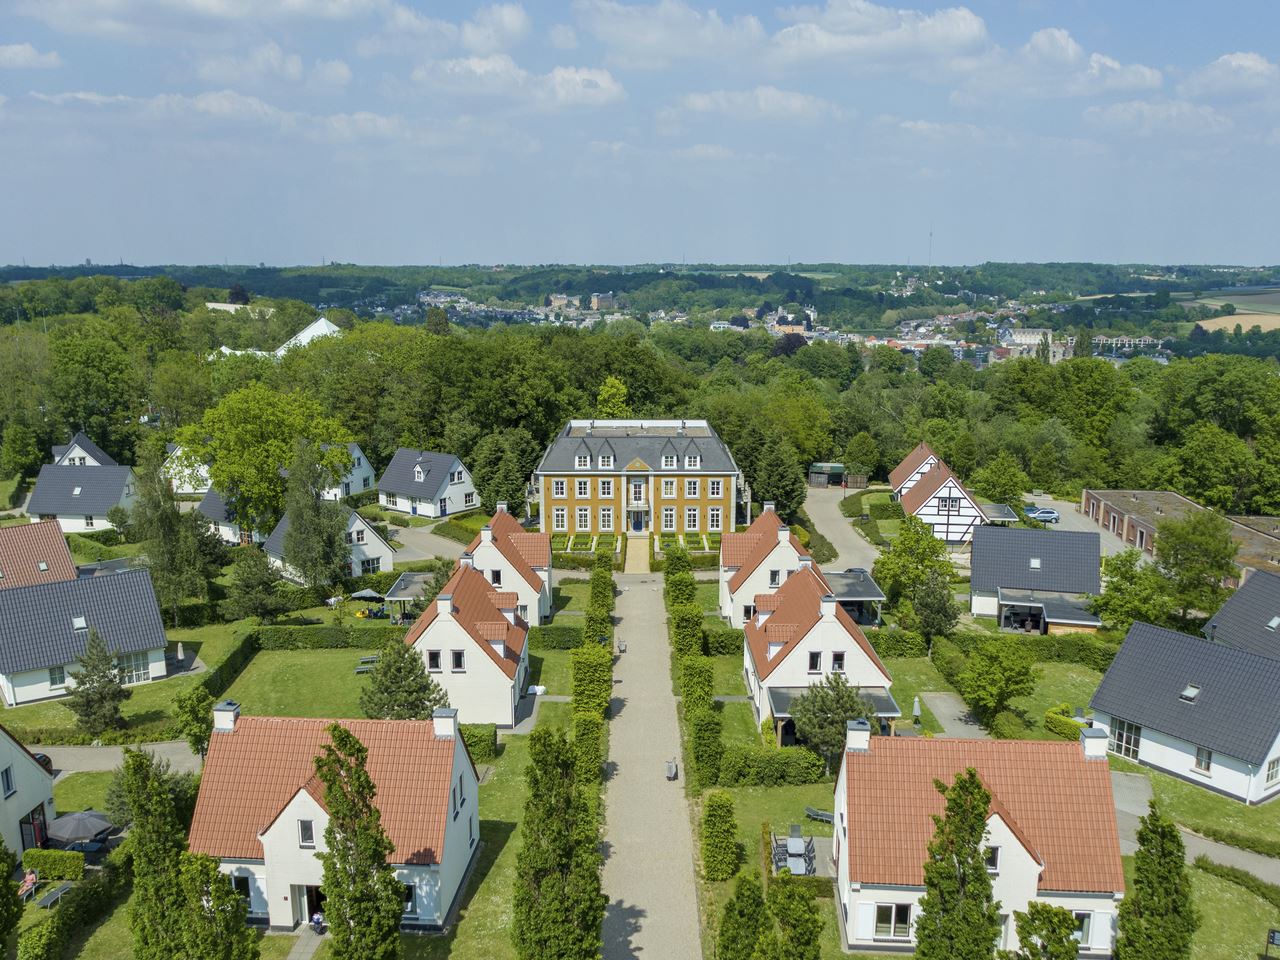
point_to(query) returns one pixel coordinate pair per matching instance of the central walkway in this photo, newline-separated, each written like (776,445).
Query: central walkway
(649,866)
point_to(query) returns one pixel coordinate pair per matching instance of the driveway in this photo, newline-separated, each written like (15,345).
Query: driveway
(419,543)
(823,506)
(953,713)
(1072,519)
(100,759)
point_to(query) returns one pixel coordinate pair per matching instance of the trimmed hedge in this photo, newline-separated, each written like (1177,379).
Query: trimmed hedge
(898,643)
(742,765)
(1267,846)
(720,853)
(481,740)
(706,745)
(591,666)
(1088,649)
(454,531)
(597,623)
(681,588)
(1258,887)
(696,683)
(54,864)
(220,678)
(296,597)
(1059,722)
(948,658)
(88,901)
(686,628)
(588,746)
(812,886)
(555,636)
(722,641)
(886,511)
(602,594)
(326,637)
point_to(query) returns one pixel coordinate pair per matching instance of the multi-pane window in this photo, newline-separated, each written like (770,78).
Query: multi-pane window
(713,519)
(583,461)
(368,481)
(392,501)
(133,667)
(583,489)
(88,521)
(370,565)
(468,499)
(1126,738)
(457,476)
(1204,759)
(359,536)
(715,489)
(606,519)
(557,488)
(6,781)
(837,662)
(669,462)
(1273,771)
(893,921)
(559,519)
(584,518)
(692,461)
(691,518)
(606,489)
(57,677)
(668,518)
(433,660)
(306,833)
(668,488)
(606,461)
(815,661)
(691,488)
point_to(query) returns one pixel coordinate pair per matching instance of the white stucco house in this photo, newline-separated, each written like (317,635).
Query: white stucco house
(756,561)
(26,792)
(512,558)
(261,811)
(81,452)
(368,552)
(940,500)
(913,466)
(799,635)
(1203,711)
(215,509)
(423,483)
(1058,846)
(79,497)
(475,646)
(186,479)
(357,479)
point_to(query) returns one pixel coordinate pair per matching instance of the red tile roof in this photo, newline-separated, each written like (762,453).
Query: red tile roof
(752,547)
(476,609)
(910,464)
(797,610)
(522,549)
(24,546)
(927,486)
(251,774)
(1057,802)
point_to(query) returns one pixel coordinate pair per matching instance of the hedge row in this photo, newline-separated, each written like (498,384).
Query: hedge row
(555,636)
(1088,649)
(454,531)
(80,907)
(706,745)
(898,643)
(54,864)
(742,765)
(591,667)
(1267,846)
(722,641)
(720,852)
(481,740)
(886,511)
(1260,888)
(1059,722)
(696,682)
(588,745)
(686,628)
(326,637)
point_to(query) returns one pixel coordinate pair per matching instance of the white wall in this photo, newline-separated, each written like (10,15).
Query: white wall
(783,557)
(358,479)
(983,604)
(194,480)
(33,787)
(461,836)
(31,685)
(915,476)
(256,871)
(482,692)
(455,496)
(287,863)
(954,526)
(537,603)
(74,453)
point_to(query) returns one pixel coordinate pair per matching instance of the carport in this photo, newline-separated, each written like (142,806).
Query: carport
(781,698)
(1039,611)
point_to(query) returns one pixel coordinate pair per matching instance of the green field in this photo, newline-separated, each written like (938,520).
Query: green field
(911,675)
(301,683)
(81,791)
(1068,683)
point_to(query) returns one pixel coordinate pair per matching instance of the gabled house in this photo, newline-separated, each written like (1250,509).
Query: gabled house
(940,500)
(1250,619)
(183,479)
(475,646)
(913,466)
(44,629)
(81,452)
(80,498)
(367,551)
(261,811)
(798,636)
(423,483)
(1051,833)
(320,327)
(357,479)
(214,508)
(32,554)
(1035,579)
(27,788)
(1202,711)
(756,561)
(512,558)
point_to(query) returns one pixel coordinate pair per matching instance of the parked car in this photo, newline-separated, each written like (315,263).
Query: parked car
(1043,514)
(45,761)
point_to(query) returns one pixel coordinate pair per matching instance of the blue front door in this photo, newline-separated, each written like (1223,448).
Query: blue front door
(637,521)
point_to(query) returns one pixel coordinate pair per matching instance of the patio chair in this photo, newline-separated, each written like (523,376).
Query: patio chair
(53,896)
(29,883)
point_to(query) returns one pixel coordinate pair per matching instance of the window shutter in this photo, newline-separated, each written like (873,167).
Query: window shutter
(864,924)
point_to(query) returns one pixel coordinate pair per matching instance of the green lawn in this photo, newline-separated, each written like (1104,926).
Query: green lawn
(556,715)
(1060,683)
(1233,921)
(19,521)
(708,595)
(878,496)
(81,791)
(570,598)
(301,683)
(727,678)
(911,675)
(738,724)
(889,528)
(551,669)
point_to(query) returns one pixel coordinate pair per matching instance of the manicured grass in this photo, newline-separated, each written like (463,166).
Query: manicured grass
(555,715)
(14,521)
(889,528)
(1059,683)
(81,791)
(551,669)
(301,683)
(911,676)
(570,598)
(986,623)
(738,724)
(708,595)
(727,676)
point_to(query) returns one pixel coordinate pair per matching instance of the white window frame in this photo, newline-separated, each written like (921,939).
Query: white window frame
(993,860)
(582,489)
(668,519)
(1204,760)
(693,461)
(392,501)
(668,461)
(417,474)
(88,521)
(775,579)
(359,535)
(410,899)
(691,518)
(606,519)
(1125,738)
(57,677)
(582,520)
(606,488)
(815,661)
(715,522)
(6,781)
(559,488)
(582,461)
(668,489)
(893,933)
(370,565)
(302,841)
(560,519)
(691,488)
(606,461)
(468,499)
(1273,771)
(837,661)
(715,489)
(1084,927)
(439,667)
(133,667)
(457,661)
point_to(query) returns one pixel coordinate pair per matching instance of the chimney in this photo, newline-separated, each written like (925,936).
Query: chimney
(857,735)
(768,506)
(784,534)
(1093,741)
(466,560)
(486,534)
(225,715)
(445,721)
(502,506)
(444,605)
(828,607)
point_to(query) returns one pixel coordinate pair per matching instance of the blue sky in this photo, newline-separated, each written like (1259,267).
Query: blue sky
(604,131)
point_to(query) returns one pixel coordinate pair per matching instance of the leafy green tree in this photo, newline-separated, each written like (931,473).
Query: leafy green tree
(437,321)
(501,464)
(1134,591)
(400,688)
(1002,480)
(98,692)
(315,545)
(611,401)
(1195,553)
(558,903)
(745,918)
(95,385)
(997,671)
(11,905)
(173,545)
(1158,918)
(252,591)
(363,898)
(799,921)
(936,605)
(822,714)
(959,919)
(720,853)
(1042,349)
(193,711)
(862,455)
(903,566)
(935,361)
(1216,467)
(1045,932)
(20,454)
(158,842)
(780,478)
(212,924)
(182,787)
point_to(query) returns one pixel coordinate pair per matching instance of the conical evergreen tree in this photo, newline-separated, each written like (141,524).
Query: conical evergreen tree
(400,687)
(98,692)
(158,842)
(1157,918)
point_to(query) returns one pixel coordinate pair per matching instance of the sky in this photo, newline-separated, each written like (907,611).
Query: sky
(603,131)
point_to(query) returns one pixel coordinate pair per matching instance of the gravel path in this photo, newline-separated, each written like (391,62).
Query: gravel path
(953,713)
(823,506)
(98,759)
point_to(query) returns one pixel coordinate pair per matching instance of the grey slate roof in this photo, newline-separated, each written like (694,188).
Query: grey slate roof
(101,488)
(274,544)
(853,584)
(1002,557)
(1235,713)
(88,446)
(1250,619)
(36,629)
(214,506)
(398,477)
(628,440)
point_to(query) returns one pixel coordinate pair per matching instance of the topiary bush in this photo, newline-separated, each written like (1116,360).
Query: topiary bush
(720,850)
(588,745)
(707,745)
(681,588)
(591,666)
(602,588)
(597,625)
(696,683)
(676,561)
(1059,721)
(686,629)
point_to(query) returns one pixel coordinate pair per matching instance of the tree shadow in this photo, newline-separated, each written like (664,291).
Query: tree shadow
(616,706)
(621,924)
(494,835)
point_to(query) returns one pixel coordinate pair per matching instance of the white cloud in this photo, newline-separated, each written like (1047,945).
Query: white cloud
(495,28)
(934,130)
(760,103)
(143,19)
(857,31)
(563,37)
(23,56)
(267,62)
(330,74)
(498,75)
(655,35)
(703,152)
(404,30)
(1147,118)
(1232,73)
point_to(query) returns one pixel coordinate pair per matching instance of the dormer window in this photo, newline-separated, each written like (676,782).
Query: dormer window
(606,461)
(669,462)
(79,623)
(1189,693)
(693,462)
(583,461)
(1035,563)
(417,474)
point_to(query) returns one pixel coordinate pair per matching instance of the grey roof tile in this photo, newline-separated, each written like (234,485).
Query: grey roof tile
(1002,556)
(1235,713)
(398,477)
(630,440)
(214,506)
(101,488)
(88,446)
(1250,619)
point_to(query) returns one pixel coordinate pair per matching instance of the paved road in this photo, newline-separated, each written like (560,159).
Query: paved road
(419,543)
(953,713)
(1073,519)
(98,759)
(823,507)
(649,865)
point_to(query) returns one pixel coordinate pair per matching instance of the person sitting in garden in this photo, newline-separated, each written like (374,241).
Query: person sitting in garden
(29,881)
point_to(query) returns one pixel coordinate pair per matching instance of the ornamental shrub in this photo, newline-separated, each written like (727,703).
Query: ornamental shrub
(1059,721)
(481,740)
(588,745)
(686,629)
(54,864)
(681,588)
(1007,725)
(602,588)
(676,562)
(604,559)
(720,853)
(591,666)
(722,641)
(696,683)
(597,626)
(705,737)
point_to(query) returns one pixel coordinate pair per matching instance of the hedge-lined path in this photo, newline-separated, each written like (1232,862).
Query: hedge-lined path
(953,713)
(98,759)
(823,506)
(649,865)
(637,559)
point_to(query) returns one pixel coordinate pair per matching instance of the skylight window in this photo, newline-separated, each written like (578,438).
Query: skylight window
(1190,693)
(1035,563)
(79,623)
(75,492)
(42,566)
(1273,624)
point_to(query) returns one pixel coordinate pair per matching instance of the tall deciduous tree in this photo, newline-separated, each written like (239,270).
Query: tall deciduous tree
(315,544)
(1134,590)
(252,592)
(557,900)
(437,321)
(176,558)
(822,714)
(99,692)
(20,455)
(1158,918)
(1045,932)
(212,922)
(400,687)
(959,919)
(997,671)
(935,605)
(193,711)
(1002,480)
(780,478)
(902,568)
(745,918)
(11,905)
(1195,553)
(611,400)
(363,898)
(158,843)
